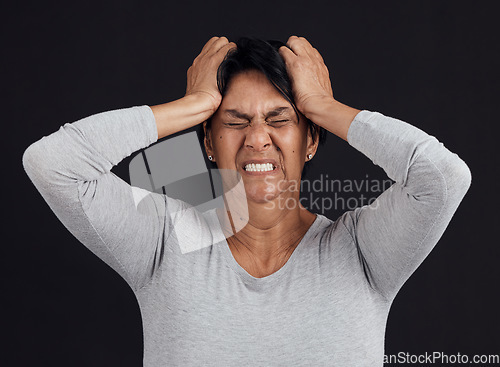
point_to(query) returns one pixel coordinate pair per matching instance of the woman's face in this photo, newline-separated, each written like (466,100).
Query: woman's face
(255,125)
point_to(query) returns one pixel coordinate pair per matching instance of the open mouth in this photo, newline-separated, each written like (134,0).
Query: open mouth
(259,167)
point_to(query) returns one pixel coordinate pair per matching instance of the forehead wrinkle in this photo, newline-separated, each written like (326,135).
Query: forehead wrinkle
(237,114)
(278,111)
(241,115)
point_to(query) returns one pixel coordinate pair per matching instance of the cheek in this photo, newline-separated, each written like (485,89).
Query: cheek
(293,146)
(226,148)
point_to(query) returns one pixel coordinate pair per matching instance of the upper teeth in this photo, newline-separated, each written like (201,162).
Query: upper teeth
(259,167)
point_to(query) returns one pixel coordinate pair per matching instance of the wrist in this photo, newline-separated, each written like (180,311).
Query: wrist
(333,116)
(182,114)
(204,100)
(316,106)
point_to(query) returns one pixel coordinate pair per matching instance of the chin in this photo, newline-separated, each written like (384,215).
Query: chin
(260,196)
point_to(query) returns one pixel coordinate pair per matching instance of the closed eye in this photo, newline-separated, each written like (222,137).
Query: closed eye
(279,122)
(236,124)
(241,125)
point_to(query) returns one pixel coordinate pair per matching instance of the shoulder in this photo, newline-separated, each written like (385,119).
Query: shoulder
(340,230)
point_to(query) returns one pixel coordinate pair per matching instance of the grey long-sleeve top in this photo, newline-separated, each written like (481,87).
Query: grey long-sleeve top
(327,306)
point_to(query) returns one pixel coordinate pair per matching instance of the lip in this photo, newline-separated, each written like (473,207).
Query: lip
(260,161)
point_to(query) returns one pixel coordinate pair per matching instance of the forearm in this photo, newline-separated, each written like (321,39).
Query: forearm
(85,149)
(181,114)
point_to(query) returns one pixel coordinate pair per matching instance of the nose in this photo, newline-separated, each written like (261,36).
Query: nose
(257,138)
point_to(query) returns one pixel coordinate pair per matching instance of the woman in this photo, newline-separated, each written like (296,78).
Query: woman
(274,284)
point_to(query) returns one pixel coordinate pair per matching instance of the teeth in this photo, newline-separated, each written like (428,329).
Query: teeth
(264,167)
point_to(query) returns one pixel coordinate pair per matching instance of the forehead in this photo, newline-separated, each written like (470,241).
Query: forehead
(252,90)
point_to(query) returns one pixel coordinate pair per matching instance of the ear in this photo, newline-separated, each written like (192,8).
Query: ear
(208,139)
(312,144)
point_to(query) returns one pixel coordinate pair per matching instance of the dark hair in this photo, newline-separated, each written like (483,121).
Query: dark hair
(256,54)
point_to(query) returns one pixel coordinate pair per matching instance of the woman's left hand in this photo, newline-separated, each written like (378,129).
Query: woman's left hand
(309,75)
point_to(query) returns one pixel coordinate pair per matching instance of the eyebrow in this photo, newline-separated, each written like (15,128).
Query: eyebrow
(240,115)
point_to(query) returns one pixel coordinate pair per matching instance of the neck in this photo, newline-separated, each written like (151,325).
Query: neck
(265,233)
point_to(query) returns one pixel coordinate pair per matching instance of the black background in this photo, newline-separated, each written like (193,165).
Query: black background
(432,64)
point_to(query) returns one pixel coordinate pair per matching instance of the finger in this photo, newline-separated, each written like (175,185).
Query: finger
(308,48)
(292,44)
(298,45)
(318,55)
(217,45)
(205,49)
(222,52)
(211,47)
(208,44)
(224,48)
(305,41)
(286,53)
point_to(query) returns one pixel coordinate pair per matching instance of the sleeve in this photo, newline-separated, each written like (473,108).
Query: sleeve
(71,168)
(396,232)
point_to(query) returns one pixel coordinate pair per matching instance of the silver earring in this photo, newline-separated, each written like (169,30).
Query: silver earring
(210,157)
(309,156)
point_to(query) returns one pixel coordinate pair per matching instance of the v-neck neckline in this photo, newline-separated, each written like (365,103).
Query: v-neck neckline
(271,279)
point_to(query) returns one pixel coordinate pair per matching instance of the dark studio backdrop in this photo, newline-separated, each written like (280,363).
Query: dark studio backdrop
(432,64)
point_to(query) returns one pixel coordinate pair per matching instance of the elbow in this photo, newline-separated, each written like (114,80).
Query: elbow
(35,162)
(30,158)
(466,176)
(445,182)
(458,177)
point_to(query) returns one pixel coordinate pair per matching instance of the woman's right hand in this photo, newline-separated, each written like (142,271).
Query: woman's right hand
(202,74)
(202,98)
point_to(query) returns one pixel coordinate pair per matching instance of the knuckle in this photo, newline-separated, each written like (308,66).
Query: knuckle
(296,65)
